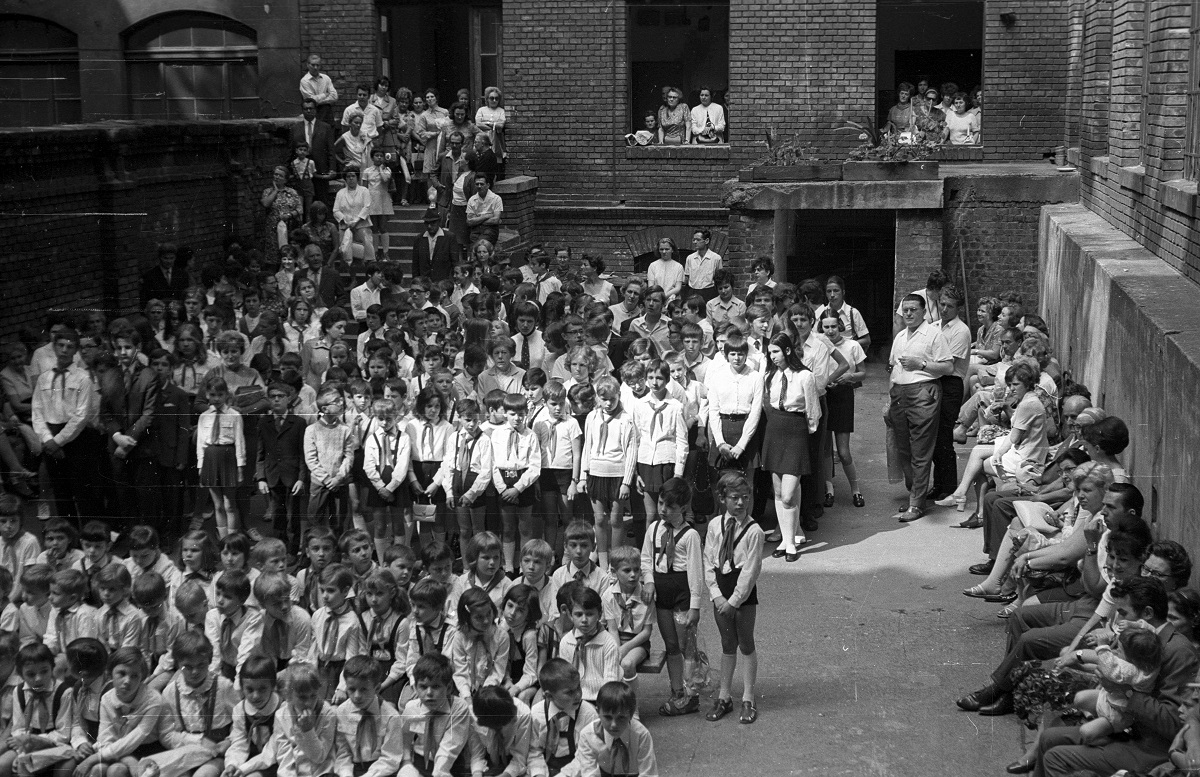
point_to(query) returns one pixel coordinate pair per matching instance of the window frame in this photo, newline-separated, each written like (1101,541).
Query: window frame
(1191,153)
(51,58)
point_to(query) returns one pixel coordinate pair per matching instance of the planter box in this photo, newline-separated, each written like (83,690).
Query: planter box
(816,171)
(889,171)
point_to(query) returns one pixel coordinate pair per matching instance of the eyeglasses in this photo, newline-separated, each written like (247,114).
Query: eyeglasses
(1157,575)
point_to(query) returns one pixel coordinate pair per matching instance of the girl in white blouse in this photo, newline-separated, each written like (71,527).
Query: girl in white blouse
(221,454)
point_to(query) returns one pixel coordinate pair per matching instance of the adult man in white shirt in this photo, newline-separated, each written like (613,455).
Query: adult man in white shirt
(484,210)
(701,266)
(372,117)
(319,87)
(919,357)
(366,295)
(958,337)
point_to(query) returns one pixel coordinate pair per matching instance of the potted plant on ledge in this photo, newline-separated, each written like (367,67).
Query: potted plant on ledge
(891,156)
(791,160)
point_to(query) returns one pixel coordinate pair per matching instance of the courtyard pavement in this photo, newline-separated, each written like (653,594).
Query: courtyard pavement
(863,644)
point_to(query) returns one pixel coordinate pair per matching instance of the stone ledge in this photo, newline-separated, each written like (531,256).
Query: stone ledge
(719,151)
(834,195)
(1132,177)
(516,185)
(1099,166)
(1180,196)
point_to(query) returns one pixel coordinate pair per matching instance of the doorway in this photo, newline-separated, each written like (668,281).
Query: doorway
(448,46)
(859,246)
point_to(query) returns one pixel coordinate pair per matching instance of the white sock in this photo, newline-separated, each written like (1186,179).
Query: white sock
(510,551)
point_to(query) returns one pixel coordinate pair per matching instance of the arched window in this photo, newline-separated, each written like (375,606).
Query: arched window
(192,66)
(39,73)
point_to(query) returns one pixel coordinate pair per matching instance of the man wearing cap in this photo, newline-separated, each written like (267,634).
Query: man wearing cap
(431,249)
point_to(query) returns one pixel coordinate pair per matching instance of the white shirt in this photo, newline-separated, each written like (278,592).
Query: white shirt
(699,269)
(352,206)
(800,397)
(69,398)
(320,88)
(491,206)
(665,273)
(926,343)
(662,432)
(732,393)
(958,337)
(853,324)
(361,298)
(702,114)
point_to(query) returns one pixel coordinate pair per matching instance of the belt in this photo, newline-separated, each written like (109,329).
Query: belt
(735,416)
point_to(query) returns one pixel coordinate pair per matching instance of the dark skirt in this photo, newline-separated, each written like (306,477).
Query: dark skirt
(425,471)
(601,489)
(528,497)
(654,475)
(220,468)
(785,443)
(371,497)
(840,401)
(671,591)
(731,430)
(555,481)
(727,583)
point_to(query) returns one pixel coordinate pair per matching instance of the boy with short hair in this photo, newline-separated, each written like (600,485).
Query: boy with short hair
(429,630)
(502,729)
(369,724)
(200,703)
(41,716)
(466,474)
(483,571)
(435,729)
(281,630)
(162,627)
(724,306)
(329,455)
(71,618)
(528,342)
(517,459)
(536,558)
(580,541)
(225,623)
(96,542)
(337,629)
(86,661)
(145,556)
(400,561)
(120,622)
(355,546)
(558,720)
(191,602)
(251,750)
(279,461)
(589,646)
(503,375)
(59,536)
(320,547)
(617,743)
(626,615)
(34,612)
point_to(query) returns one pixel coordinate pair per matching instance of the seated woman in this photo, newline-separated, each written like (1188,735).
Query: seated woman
(985,351)
(900,117)
(962,126)
(1104,440)
(674,127)
(708,119)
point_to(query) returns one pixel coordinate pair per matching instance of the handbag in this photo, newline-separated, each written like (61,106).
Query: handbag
(424,513)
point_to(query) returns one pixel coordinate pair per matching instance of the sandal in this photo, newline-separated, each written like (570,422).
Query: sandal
(1006,611)
(720,708)
(1001,598)
(959,503)
(749,713)
(978,592)
(681,704)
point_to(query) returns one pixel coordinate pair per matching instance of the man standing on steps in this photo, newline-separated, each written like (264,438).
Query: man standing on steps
(318,87)
(431,249)
(319,137)
(484,210)
(920,356)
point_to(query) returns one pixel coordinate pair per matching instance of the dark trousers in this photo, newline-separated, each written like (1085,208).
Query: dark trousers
(945,464)
(1040,631)
(812,486)
(997,513)
(328,508)
(1061,752)
(914,416)
(77,477)
(281,502)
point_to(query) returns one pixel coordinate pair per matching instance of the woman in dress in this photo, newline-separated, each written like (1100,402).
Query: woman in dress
(283,205)
(900,117)
(460,121)
(353,147)
(667,270)
(320,230)
(389,117)
(315,353)
(491,120)
(674,125)
(428,131)
(962,126)
(593,285)
(792,411)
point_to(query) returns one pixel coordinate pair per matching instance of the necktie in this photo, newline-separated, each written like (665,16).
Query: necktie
(275,639)
(554,729)
(464,460)
(514,442)
(216,427)
(578,660)
(581,575)
(626,603)
(258,729)
(430,743)
(227,637)
(620,757)
(61,624)
(523,360)
(602,438)
(782,387)
(60,375)
(308,133)
(39,711)
(279,423)
(329,637)
(495,747)
(151,636)
(554,439)
(112,630)
(427,441)
(654,420)
(368,737)
(727,545)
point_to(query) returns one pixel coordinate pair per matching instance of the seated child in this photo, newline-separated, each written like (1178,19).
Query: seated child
(369,724)
(478,649)
(71,618)
(199,709)
(162,627)
(225,624)
(629,620)
(19,549)
(483,572)
(280,630)
(589,646)
(34,613)
(521,613)
(129,717)
(502,727)
(618,743)
(96,541)
(10,621)
(558,720)
(87,661)
(400,561)
(120,622)
(62,545)
(536,559)
(10,680)
(146,556)
(337,630)
(388,624)
(307,739)
(430,631)
(251,750)
(41,717)
(436,726)
(580,541)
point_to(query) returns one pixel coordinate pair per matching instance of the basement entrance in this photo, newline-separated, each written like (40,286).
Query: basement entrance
(859,246)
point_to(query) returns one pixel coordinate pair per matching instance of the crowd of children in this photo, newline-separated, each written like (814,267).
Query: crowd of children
(455,583)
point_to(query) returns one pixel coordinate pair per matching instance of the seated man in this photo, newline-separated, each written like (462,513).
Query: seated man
(1155,714)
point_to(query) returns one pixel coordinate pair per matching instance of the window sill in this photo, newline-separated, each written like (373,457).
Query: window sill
(1133,178)
(1073,155)
(1098,165)
(718,151)
(959,154)
(1181,196)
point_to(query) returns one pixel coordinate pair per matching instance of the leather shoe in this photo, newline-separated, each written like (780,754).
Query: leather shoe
(1001,706)
(972,702)
(1020,767)
(974,522)
(983,569)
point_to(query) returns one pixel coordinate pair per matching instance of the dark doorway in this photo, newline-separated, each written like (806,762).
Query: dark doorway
(859,246)
(446,45)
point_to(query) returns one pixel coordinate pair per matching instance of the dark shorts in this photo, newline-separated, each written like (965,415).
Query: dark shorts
(556,481)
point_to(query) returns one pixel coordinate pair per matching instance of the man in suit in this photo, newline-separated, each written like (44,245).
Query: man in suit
(166,280)
(280,469)
(168,445)
(431,249)
(319,137)
(1062,751)
(331,290)
(126,416)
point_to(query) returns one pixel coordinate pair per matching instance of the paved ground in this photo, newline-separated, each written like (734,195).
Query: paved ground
(863,646)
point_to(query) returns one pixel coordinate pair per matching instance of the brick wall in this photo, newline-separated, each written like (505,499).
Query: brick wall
(345,33)
(918,249)
(999,244)
(93,202)
(1146,201)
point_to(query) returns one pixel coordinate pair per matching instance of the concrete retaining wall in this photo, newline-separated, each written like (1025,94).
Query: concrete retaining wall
(1126,324)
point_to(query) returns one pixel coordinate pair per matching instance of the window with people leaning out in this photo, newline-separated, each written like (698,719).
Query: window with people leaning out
(679,73)
(948,114)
